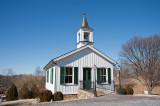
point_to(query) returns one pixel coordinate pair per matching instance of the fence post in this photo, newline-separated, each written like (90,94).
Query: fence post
(0,101)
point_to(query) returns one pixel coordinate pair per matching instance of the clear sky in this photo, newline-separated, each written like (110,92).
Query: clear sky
(32,32)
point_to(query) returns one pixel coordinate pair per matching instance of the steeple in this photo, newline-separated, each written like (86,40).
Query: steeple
(84,23)
(84,34)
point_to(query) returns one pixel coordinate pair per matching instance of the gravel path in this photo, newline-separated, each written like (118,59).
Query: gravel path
(110,100)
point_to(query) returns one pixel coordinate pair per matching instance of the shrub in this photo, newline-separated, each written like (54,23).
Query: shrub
(129,91)
(12,93)
(58,96)
(24,93)
(45,95)
(123,91)
(34,91)
(1,91)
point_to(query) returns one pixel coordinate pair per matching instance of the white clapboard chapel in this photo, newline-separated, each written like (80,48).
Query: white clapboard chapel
(74,70)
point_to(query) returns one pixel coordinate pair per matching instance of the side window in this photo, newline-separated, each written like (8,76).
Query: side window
(51,76)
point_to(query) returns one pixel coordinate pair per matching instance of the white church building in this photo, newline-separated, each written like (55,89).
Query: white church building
(74,70)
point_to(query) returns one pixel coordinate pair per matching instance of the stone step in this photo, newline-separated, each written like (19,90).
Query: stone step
(82,94)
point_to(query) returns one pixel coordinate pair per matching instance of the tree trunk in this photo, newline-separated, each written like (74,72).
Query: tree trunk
(149,90)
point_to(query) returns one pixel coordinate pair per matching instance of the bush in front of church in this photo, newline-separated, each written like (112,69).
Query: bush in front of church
(123,91)
(12,93)
(129,91)
(45,95)
(24,93)
(58,96)
(34,91)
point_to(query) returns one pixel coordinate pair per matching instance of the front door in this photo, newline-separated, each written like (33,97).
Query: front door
(86,78)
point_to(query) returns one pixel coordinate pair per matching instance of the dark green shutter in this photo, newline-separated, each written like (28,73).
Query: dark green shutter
(52,75)
(47,76)
(62,75)
(98,76)
(75,75)
(109,75)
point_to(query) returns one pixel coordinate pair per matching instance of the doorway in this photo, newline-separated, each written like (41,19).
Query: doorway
(87,78)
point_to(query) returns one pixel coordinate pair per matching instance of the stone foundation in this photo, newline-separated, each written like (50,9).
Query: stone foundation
(84,94)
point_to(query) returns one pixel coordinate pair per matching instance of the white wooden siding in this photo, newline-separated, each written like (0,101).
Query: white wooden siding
(84,58)
(49,85)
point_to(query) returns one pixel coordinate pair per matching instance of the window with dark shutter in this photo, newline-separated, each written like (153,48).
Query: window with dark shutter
(62,75)
(75,75)
(109,75)
(52,75)
(98,76)
(47,76)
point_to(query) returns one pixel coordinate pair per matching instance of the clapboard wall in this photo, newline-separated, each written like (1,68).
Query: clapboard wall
(85,58)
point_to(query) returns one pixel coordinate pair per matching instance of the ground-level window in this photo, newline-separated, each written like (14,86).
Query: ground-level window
(68,75)
(103,75)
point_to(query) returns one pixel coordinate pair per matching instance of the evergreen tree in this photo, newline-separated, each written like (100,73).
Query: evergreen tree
(12,93)
(34,91)
(24,93)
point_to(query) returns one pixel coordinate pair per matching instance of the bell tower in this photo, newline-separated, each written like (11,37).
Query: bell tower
(84,34)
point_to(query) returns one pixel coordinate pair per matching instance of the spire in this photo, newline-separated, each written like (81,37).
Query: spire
(84,23)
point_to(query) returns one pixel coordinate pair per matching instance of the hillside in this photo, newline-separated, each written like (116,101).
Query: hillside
(19,80)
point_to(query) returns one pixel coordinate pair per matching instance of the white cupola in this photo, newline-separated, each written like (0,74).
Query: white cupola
(84,34)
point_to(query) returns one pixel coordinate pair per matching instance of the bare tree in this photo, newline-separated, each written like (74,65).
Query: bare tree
(40,76)
(143,56)
(39,71)
(6,78)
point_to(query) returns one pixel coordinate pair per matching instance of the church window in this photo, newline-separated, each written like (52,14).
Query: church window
(68,75)
(103,75)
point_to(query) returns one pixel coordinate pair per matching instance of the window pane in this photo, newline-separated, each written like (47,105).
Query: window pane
(101,78)
(104,71)
(66,79)
(70,79)
(66,71)
(101,71)
(70,71)
(104,79)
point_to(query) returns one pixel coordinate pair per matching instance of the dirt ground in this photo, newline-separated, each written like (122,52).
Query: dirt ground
(137,86)
(20,102)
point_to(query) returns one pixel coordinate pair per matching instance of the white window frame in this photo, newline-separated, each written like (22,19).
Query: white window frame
(70,75)
(106,69)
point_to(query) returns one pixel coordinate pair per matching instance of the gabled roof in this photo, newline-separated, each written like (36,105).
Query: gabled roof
(53,61)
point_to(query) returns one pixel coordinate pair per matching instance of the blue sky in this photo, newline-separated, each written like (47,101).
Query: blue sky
(32,32)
